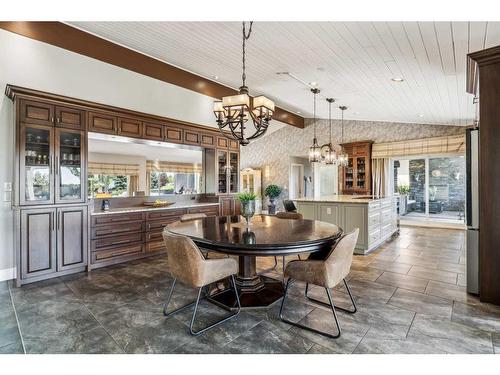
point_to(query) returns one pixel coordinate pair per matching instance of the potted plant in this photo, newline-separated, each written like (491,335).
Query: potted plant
(272,192)
(403,191)
(247,201)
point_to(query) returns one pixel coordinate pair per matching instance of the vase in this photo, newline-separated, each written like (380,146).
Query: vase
(271,208)
(247,210)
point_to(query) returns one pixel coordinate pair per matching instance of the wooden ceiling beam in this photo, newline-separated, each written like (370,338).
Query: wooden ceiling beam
(75,40)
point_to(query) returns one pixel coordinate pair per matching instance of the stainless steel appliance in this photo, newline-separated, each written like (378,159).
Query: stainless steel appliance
(472,209)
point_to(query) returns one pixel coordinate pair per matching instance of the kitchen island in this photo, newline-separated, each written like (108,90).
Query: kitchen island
(376,217)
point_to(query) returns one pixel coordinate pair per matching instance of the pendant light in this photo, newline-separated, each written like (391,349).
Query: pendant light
(315,149)
(328,153)
(343,157)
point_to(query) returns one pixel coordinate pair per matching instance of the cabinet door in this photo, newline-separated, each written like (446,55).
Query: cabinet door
(36,162)
(71,118)
(360,167)
(226,206)
(102,123)
(153,131)
(70,172)
(72,235)
(129,127)
(233,145)
(349,174)
(36,112)
(191,137)
(38,242)
(222,142)
(234,170)
(207,140)
(174,134)
(222,166)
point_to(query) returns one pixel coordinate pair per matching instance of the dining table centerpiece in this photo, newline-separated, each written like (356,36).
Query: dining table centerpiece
(272,192)
(247,201)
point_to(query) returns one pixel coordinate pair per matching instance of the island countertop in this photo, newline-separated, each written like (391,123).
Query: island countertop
(176,205)
(363,199)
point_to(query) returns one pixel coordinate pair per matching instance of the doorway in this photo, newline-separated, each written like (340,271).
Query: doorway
(296,180)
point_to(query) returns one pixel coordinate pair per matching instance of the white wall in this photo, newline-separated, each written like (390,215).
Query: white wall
(28,63)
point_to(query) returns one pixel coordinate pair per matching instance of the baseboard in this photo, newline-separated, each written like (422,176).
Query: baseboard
(7,274)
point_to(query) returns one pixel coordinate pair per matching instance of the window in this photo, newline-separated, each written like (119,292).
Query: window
(431,187)
(162,183)
(102,186)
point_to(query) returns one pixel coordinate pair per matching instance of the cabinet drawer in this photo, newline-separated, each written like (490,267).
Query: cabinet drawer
(117,252)
(36,112)
(233,145)
(387,215)
(222,142)
(385,203)
(192,138)
(209,211)
(373,236)
(102,123)
(107,230)
(160,224)
(386,229)
(129,127)
(374,205)
(207,140)
(117,218)
(153,131)
(72,118)
(172,134)
(116,240)
(152,247)
(374,219)
(164,214)
(154,236)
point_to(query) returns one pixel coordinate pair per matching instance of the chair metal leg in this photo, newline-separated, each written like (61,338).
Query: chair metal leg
(339,331)
(165,306)
(191,329)
(337,307)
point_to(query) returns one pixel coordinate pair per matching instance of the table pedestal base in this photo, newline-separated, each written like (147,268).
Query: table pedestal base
(254,290)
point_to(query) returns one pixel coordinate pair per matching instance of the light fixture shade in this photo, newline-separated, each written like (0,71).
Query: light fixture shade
(262,101)
(315,152)
(331,156)
(236,101)
(343,158)
(218,108)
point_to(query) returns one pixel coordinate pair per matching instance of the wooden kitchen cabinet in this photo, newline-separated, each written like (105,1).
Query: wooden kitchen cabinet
(37,113)
(102,123)
(72,237)
(70,118)
(129,127)
(356,176)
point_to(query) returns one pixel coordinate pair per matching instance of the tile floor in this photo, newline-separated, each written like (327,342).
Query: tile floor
(410,295)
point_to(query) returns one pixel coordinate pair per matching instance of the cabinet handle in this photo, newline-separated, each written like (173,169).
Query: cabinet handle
(53,222)
(52,119)
(57,165)
(58,220)
(120,242)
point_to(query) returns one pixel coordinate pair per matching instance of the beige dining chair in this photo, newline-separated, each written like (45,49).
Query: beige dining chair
(325,273)
(188,265)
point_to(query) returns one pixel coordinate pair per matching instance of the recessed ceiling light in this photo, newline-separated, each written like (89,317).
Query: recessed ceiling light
(299,112)
(216,77)
(397,79)
(420,115)
(313,84)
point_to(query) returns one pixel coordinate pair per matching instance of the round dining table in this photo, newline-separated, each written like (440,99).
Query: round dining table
(263,236)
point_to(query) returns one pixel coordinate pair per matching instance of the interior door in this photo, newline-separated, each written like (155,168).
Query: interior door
(38,242)
(72,234)
(296,181)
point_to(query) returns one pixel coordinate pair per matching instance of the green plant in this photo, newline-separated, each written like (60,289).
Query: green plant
(272,191)
(403,189)
(246,197)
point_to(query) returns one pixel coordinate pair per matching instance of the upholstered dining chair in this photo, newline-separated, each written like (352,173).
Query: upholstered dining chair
(325,273)
(188,265)
(196,216)
(286,215)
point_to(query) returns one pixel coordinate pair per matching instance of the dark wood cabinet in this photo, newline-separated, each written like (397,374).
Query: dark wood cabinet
(38,113)
(207,140)
(229,205)
(174,134)
(355,178)
(227,171)
(153,132)
(102,123)
(129,127)
(72,237)
(222,142)
(234,145)
(71,118)
(38,242)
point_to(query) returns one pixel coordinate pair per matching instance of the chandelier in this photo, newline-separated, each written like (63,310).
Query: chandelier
(328,154)
(343,157)
(315,149)
(234,112)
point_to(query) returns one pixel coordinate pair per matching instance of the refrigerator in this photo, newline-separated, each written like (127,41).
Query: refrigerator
(472,209)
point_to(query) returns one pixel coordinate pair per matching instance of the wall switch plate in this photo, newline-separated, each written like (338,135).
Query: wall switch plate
(328,210)
(7,196)
(7,186)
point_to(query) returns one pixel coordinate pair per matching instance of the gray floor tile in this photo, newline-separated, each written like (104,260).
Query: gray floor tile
(403,281)
(481,316)
(370,290)
(364,273)
(421,303)
(391,266)
(450,336)
(13,348)
(376,345)
(496,342)
(318,349)
(451,292)
(265,339)
(433,274)
(9,332)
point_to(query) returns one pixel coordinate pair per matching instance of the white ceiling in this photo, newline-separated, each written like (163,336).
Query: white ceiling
(350,61)
(123,146)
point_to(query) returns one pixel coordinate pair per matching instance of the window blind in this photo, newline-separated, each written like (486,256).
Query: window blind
(167,166)
(113,169)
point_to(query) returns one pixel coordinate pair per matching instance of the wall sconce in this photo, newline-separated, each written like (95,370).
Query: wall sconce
(267,171)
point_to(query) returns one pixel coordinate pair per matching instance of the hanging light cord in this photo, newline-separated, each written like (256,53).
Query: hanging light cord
(342,125)
(330,119)
(245,38)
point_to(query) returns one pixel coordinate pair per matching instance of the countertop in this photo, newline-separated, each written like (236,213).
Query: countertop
(176,205)
(363,199)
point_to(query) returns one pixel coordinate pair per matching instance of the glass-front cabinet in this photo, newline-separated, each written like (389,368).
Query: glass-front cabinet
(69,166)
(228,164)
(51,165)
(356,175)
(36,162)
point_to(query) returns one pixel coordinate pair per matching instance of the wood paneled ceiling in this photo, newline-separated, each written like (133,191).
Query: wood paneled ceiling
(353,62)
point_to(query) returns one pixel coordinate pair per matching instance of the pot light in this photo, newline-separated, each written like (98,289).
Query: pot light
(397,79)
